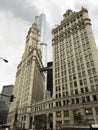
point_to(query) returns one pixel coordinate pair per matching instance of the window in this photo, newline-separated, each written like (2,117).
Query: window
(81,83)
(62,80)
(58,81)
(95,78)
(71,85)
(88,111)
(78,68)
(77,100)
(69,64)
(81,60)
(83,74)
(75,84)
(91,79)
(77,61)
(90,56)
(66,113)
(86,89)
(59,94)
(58,114)
(92,88)
(73,101)
(79,75)
(63,94)
(94,97)
(96,86)
(82,66)
(72,63)
(70,77)
(83,99)
(66,86)
(94,70)
(56,95)
(73,70)
(88,98)
(64,103)
(86,58)
(67,93)
(76,91)
(82,90)
(74,76)
(92,63)
(69,71)
(88,65)
(65,79)
(59,103)
(72,92)
(89,71)
(85,81)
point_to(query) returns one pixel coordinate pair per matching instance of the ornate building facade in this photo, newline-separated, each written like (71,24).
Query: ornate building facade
(75,69)
(29,84)
(75,78)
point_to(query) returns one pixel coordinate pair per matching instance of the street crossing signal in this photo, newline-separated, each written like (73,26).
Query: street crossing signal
(11,98)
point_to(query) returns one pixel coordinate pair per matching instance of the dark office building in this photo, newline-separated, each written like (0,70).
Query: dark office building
(50,78)
(5,102)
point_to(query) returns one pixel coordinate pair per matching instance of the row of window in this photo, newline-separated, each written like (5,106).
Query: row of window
(74,76)
(69,51)
(76,91)
(84,99)
(75,42)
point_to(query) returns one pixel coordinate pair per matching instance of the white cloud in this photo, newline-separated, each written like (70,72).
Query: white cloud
(12,39)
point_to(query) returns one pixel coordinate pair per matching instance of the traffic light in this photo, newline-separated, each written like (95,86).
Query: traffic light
(11,98)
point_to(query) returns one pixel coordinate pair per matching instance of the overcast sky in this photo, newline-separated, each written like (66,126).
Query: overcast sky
(16,17)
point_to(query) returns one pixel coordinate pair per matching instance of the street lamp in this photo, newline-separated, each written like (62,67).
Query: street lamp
(4,60)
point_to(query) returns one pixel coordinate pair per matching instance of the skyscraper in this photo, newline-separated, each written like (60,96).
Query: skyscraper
(29,83)
(75,69)
(41,23)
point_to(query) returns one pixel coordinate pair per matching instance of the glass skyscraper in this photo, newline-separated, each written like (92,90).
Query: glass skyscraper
(41,23)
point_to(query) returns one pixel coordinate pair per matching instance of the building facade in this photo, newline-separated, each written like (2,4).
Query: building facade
(29,83)
(75,69)
(75,77)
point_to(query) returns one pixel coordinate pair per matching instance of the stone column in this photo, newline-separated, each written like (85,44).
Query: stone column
(62,117)
(71,116)
(33,122)
(83,116)
(54,120)
(94,115)
(47,122)
(27,122)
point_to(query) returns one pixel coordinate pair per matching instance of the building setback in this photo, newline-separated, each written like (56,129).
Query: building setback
(29,83)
